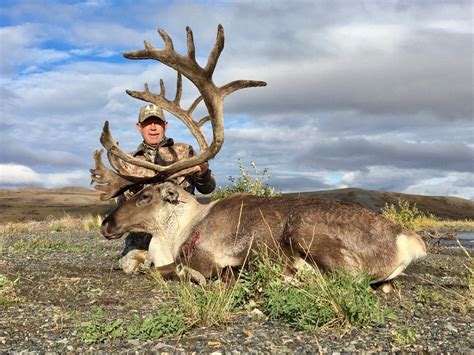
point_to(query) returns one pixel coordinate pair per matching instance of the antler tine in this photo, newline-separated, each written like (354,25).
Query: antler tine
(179,89)
(203,120)
(167,39)
(190,43)
(162,88)
(112,147)
(215,52)
(107,182)
(240,84)
(194,104)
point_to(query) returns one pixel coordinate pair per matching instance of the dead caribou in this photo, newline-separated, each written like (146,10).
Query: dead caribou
(208,238)
(222,234)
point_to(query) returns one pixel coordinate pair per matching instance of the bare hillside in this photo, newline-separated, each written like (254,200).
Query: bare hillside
(37,204)
(445,207)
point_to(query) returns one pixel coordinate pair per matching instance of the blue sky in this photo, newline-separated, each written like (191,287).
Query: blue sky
(367,94)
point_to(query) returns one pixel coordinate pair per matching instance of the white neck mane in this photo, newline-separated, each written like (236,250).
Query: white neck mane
(170,229)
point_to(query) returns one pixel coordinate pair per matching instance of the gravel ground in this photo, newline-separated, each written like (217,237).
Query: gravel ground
(66,276)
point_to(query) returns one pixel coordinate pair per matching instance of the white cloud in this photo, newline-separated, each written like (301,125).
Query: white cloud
(19,46)
(14,175)
(459,185)
(357,37)
(18,175)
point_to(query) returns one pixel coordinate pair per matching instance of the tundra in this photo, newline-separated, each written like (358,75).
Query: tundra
(209,238)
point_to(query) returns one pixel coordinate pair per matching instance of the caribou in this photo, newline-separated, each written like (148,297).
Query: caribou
(206,239)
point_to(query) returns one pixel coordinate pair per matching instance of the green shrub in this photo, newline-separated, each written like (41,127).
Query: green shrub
(245,183)
(313,299)
(407,215)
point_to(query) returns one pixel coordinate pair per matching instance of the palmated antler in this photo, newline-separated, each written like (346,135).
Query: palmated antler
(212,95)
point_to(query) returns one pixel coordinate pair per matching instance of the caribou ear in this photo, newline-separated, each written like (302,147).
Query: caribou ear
(169,193)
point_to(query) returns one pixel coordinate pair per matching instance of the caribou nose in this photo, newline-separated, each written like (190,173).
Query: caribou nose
(108,232)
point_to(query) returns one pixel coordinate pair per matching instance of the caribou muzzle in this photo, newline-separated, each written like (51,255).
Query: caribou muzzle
(109,230)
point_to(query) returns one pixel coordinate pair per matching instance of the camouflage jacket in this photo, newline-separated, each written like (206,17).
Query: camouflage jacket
(168,152)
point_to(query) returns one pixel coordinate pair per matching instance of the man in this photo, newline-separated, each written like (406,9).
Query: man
(159,149)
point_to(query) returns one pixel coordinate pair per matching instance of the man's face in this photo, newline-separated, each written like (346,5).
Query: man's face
(152,130)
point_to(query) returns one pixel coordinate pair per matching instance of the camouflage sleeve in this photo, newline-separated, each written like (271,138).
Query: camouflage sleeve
(205,184)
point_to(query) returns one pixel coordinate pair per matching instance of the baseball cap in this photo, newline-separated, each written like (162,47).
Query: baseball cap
(150,111)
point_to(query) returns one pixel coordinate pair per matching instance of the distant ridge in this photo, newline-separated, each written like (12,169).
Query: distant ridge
(446,207)
(39,203)
(67,189)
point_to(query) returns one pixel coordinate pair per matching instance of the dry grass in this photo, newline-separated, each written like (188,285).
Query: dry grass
(466,225)
(409,216)
(87,223)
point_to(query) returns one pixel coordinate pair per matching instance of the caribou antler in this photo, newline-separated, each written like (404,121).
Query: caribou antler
(212,95)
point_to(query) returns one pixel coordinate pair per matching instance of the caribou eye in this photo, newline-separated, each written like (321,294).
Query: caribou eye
(145,198)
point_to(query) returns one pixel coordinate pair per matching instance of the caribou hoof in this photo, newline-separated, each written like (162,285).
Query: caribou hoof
(134,261)
(192,275)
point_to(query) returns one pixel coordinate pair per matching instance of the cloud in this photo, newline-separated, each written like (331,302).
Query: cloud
(379,96)
(15,175)
(15,151)
(413,182)
(19,49)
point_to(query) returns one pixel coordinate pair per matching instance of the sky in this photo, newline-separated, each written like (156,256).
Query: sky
(369,94)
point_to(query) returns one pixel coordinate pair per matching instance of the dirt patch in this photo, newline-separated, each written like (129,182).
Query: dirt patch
(54,288)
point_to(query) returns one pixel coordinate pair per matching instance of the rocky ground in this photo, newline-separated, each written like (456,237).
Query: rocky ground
(52,282)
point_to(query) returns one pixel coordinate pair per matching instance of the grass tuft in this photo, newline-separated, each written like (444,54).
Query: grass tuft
(307,302)
(8,296)
(313,300)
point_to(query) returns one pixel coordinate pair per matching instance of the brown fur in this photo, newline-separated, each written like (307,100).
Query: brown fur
(325,233)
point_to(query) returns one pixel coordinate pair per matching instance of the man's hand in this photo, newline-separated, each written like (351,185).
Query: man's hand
(203,168)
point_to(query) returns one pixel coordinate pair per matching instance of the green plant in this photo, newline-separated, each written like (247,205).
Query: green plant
(409,216)
(308,301)
(210,304)
(245,183)
(316,299)
(403,336)
(164,322)
(8,295)
(98,329)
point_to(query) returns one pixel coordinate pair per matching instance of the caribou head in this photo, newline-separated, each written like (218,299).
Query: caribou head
(162,204)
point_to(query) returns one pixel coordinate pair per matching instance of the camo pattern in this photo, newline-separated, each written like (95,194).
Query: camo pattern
(166,153)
